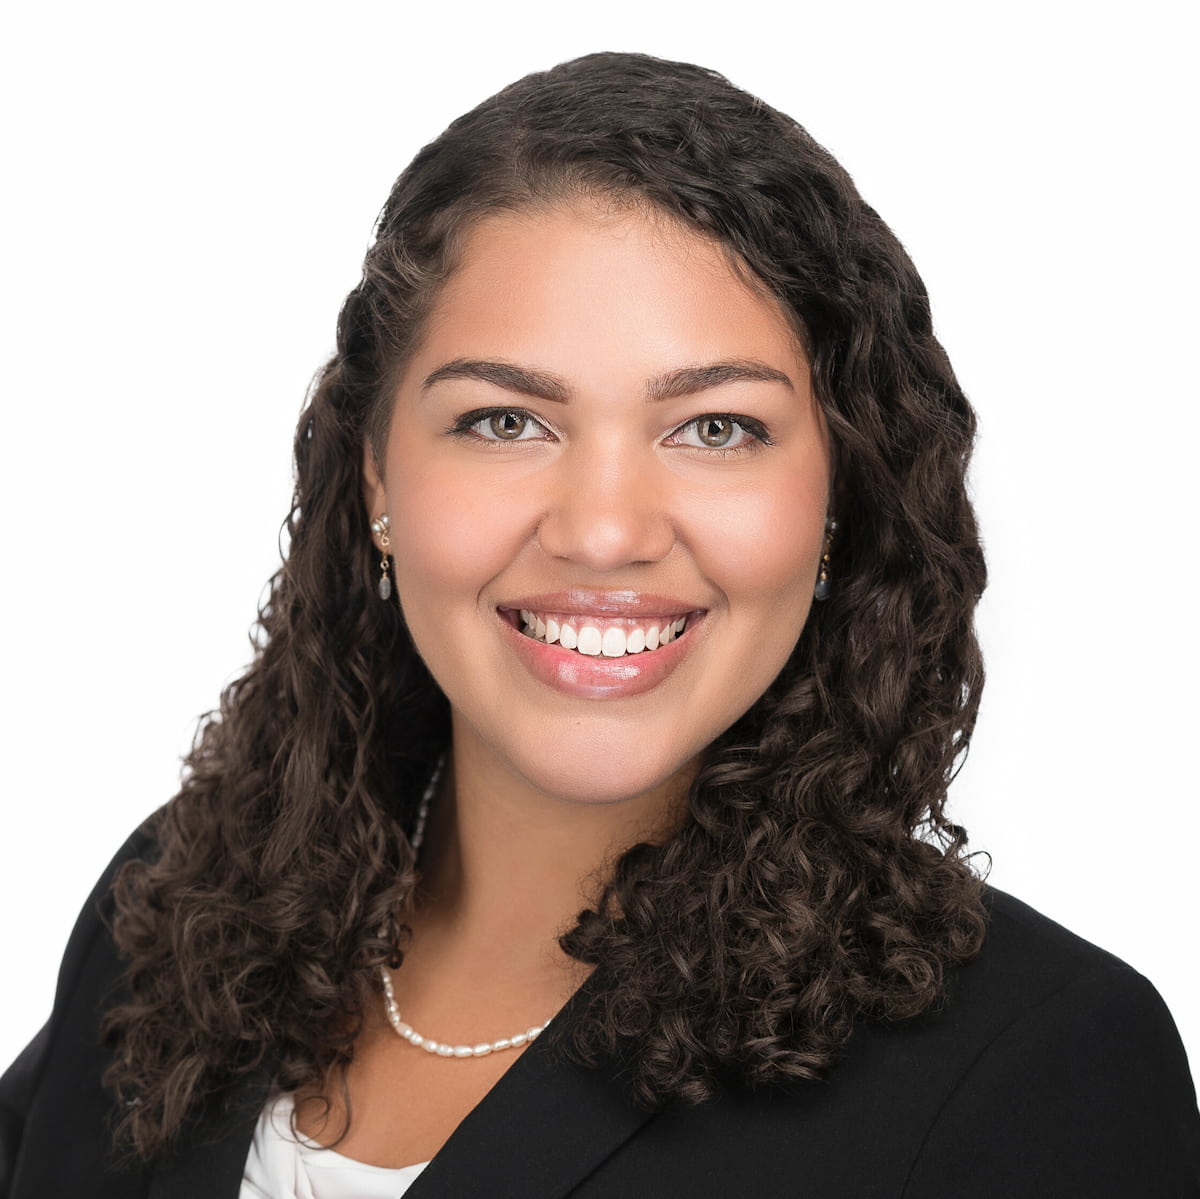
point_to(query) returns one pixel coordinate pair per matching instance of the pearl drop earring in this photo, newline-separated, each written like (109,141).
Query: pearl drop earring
(379,526)
(823,587)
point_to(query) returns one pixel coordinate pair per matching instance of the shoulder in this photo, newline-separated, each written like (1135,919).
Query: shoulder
(90,936)
(1026,960)
(1068,1074)
(1015,930)
(1049,1068)
(54,1084)
(91,933)
(140,845)
(1033,974)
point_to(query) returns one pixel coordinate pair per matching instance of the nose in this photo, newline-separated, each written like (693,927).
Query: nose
(606,511)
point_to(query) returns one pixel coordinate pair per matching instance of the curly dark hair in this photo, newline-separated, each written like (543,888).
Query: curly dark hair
(816,879)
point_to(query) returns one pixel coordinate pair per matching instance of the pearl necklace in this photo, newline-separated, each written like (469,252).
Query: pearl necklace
(402,1027)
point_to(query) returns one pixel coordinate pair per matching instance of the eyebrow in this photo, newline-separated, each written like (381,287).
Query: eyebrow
(686,380)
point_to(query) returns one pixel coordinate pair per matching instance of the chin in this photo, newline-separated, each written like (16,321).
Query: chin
(596,770)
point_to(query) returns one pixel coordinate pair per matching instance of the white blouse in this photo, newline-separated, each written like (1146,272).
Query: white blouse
(282,1165)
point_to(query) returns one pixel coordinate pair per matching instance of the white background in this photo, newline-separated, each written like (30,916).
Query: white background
(189,193)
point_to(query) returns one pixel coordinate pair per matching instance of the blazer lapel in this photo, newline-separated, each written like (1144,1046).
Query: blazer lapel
(538,1132)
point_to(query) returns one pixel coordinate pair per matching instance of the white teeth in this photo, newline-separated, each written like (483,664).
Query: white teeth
(613,643)
(590,641)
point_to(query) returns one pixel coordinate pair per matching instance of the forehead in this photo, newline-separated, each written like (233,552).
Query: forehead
(590,281)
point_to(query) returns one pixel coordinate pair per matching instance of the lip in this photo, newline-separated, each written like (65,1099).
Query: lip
(582,677)
(580,601)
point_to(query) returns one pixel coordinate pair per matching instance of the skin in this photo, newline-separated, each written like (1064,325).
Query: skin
(605,493)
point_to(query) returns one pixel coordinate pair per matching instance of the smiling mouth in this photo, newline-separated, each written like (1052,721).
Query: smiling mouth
(600,637)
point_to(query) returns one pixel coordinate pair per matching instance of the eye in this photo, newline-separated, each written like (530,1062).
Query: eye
(499,424)
(506,426)
(720,431)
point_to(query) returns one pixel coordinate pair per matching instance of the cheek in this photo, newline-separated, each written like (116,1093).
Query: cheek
(762,544)
(452,533)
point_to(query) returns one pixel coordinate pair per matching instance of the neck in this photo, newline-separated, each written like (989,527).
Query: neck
(507,868)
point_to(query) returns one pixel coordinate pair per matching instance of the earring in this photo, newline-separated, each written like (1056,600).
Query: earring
(823,588)
(379,526)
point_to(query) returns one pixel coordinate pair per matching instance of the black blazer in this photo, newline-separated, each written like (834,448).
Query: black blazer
(1052,1069)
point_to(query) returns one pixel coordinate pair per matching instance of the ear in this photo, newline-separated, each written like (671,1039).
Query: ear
(374,493)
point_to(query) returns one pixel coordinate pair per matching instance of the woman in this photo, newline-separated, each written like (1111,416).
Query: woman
(580,827)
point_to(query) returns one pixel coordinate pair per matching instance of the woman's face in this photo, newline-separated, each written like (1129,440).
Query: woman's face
(606,428)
